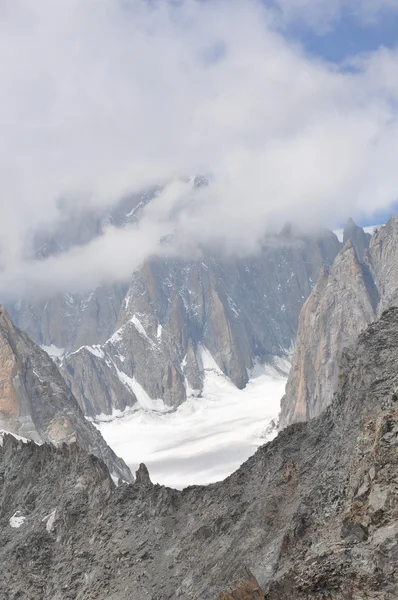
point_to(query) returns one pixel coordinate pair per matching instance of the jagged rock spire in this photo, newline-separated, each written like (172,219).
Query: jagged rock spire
(360,240)
(142,477)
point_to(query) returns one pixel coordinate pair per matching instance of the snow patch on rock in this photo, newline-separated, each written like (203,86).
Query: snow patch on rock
(17,520)
(49,520)
(54,351)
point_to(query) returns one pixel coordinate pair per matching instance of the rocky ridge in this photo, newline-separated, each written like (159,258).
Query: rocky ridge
(36,403)
(353,292)
(313,514)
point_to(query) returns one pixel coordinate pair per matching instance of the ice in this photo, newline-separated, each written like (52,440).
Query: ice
(54,351)
(340,234)
(96,351)
(208,362)
(159,332)
(233,306)
(17,520)
(143,399)
(207,437)
(49,520)
(139,327)
(117,336)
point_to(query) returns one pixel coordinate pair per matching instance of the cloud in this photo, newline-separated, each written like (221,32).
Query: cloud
(101,98)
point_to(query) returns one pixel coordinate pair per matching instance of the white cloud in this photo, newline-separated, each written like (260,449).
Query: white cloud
(101,97)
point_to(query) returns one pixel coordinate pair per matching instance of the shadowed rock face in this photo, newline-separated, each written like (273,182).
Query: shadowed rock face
(36,403)
(312,515)
(348,296)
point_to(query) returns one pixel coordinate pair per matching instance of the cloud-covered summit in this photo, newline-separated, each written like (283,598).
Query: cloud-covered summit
(103,98)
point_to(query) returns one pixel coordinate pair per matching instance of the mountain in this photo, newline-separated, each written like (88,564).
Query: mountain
(359,239)
(73,319)
(143,343)
(174,310)
(311,515)
(36,403)
(361,283)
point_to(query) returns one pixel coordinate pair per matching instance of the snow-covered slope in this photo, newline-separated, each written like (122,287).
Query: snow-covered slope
(207,437)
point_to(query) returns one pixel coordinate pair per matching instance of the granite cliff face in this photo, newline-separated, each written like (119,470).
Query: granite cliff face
(36,403)
(174,311)
(359,239)
(313,514)
(361,283)
(144,342)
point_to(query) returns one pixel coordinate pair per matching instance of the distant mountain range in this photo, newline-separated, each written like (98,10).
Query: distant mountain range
(141,342)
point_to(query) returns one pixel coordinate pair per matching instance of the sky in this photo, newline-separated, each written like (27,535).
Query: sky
(291,107)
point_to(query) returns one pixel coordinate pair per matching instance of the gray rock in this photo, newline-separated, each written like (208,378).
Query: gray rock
(288,521)
(240,310)
(339,307)
(348,296)
(358,238)
(36,403)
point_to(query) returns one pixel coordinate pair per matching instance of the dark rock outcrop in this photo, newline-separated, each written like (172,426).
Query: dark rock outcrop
(312,515)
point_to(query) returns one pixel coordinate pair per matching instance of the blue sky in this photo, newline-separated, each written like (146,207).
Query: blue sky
(380,216)
(348,37)
(341,39)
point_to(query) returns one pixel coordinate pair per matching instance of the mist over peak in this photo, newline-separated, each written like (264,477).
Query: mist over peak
(103,101)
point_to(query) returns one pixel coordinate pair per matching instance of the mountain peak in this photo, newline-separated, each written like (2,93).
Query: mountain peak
(359,239)
(350,223)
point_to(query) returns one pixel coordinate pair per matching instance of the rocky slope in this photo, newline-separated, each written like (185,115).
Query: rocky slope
(239,310)
(361,283)
(36,403)
(312,514)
